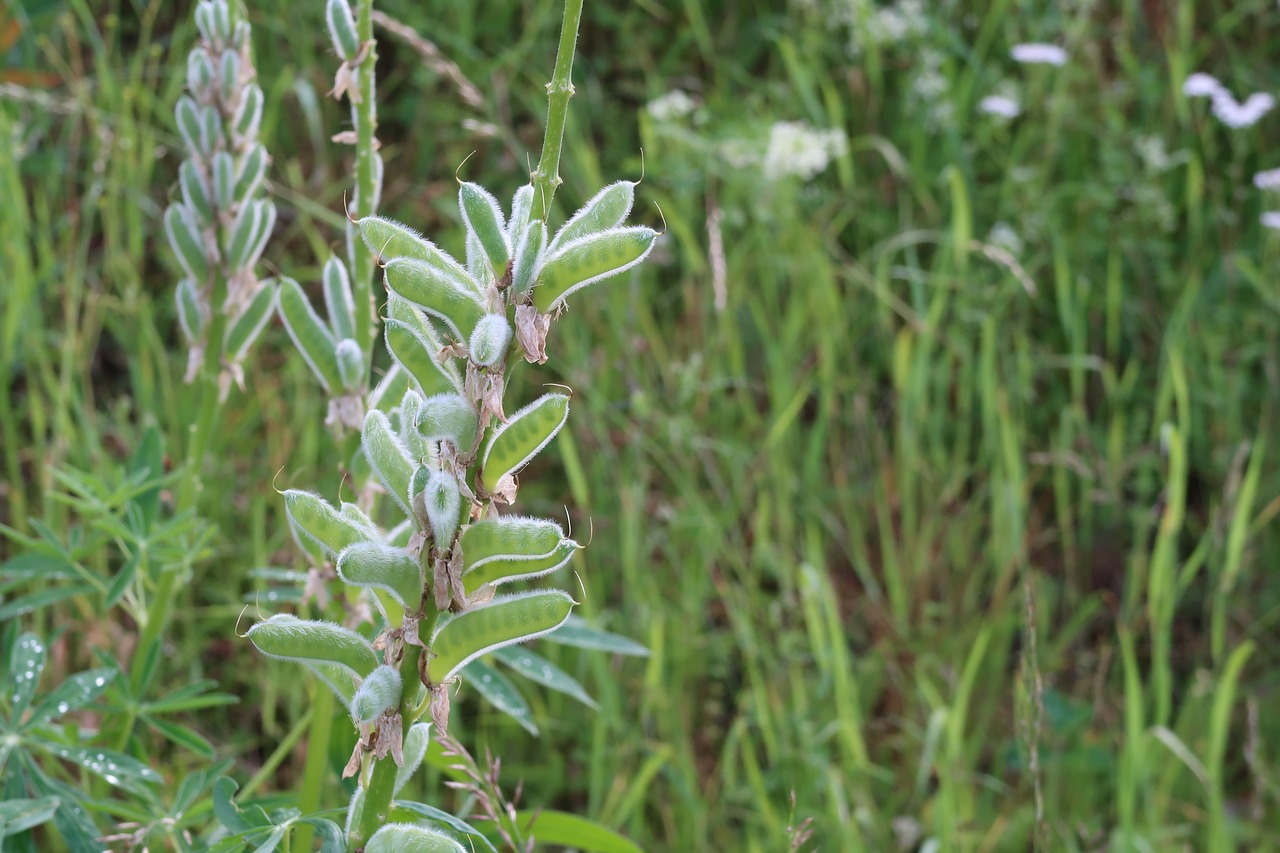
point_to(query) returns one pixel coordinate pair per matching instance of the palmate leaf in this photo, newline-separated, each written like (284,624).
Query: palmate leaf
(20,815)
(26,663)
(71,695)
(115,768)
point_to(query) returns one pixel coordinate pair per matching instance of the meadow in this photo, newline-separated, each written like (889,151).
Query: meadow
(931,454)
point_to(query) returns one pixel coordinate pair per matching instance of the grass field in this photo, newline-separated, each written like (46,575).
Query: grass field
(939,479)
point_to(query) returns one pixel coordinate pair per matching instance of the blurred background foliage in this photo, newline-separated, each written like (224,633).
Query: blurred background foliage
(933,457)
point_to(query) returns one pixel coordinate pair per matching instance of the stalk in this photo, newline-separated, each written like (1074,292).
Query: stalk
(546,178)
(366,124)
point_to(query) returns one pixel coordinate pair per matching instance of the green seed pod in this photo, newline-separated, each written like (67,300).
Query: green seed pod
(246,327)
(338,302)
(240,40)
(523,435)
(388,457)
(415,749)
(448,417)
(359,518)
(195,191)
(249,172)
(501,622)
(224,180)
(266,223)
(193,314)
(421,479)
(477,262)
(342,29)
(390,240)
(490,340)
(588,260)
(305,641)
(183,231)
(502,570)
(211,137)
(314,518)
(199,70)
(228,76)
(411,838)
(187,114)
(440,295)
(508,538)
(379,694)
(204,20)
(222,21)
(443,503)
(521,213)
(248,115)
(418,357)
(238,237)
(350,364)
(309,334)
(530,252)
(392,386)
(607,209)
(483,218)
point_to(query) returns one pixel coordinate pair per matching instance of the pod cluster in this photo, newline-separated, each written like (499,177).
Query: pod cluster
(219,225)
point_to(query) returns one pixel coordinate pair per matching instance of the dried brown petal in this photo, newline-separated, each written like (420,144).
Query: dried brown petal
(532,327)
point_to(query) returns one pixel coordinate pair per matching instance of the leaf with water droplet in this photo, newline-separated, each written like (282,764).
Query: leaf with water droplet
(25,665)
(538,669)
(115,768)
(500,692)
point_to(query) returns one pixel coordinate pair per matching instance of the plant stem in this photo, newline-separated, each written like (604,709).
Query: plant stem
(377,798)
(366,123)
(316,768)
(546,178)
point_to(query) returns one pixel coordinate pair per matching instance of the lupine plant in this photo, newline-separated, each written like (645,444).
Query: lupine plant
(447,460)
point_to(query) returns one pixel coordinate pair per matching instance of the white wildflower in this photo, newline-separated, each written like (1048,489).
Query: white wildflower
(795,148)
(1271,219)
(1236,115)
(1039,54)
(1152,151)
(1000,105)
(1201,85)
(1004,237)
(1268,180)
(671,106)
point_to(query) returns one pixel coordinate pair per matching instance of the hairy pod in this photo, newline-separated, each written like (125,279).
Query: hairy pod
(350,360)
(411,838)
(307,641)
(587,260)
(248,115)
(415,749)
(309,333)
(377,694)
(199,70)
(372,565)
(441,295)
(521,213)
(506,569)
(338,301)
(490,340)
(187,114)
(530,252)
(448,417)
(228,76)
(315,518)
(508,538)
(389,240)
(501,622)
(483,218)
(416,353)
(342,29)
(388,457)
(238,238)
(211,137)
(250,322)
(605,210)
(523,435)
(195,191)
(250,171)
(183,231)
(224,181)
(193,313)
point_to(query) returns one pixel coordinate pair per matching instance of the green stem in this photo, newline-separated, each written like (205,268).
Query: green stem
(366,124)
(316,768)
(377,798)
(546,178)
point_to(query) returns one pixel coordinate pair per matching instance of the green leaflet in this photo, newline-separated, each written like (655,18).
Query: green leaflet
(502,570)
(417,355)
(442,295)
(590,259)
(520,438)
(606,209)
(577,632)
(315,517)
(338,302)
(183,231)
(509,537)
(389,240)
(411,838)
(539,670)
(309,334)
(501,622)
(500,692)
(378,566)
(388,457)
(483,218)
(308,641)
(244,330)
(379,693)
(448,417)
(490,339)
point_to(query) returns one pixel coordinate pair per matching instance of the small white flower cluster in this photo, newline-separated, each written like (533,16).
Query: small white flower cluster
(796,148)
(674,105)
(1155,156)
(1039,54)
(1269,180)
(1000,105)
(1226,108)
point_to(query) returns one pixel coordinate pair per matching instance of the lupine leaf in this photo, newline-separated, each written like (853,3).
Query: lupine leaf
(538,669)
(500,692)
